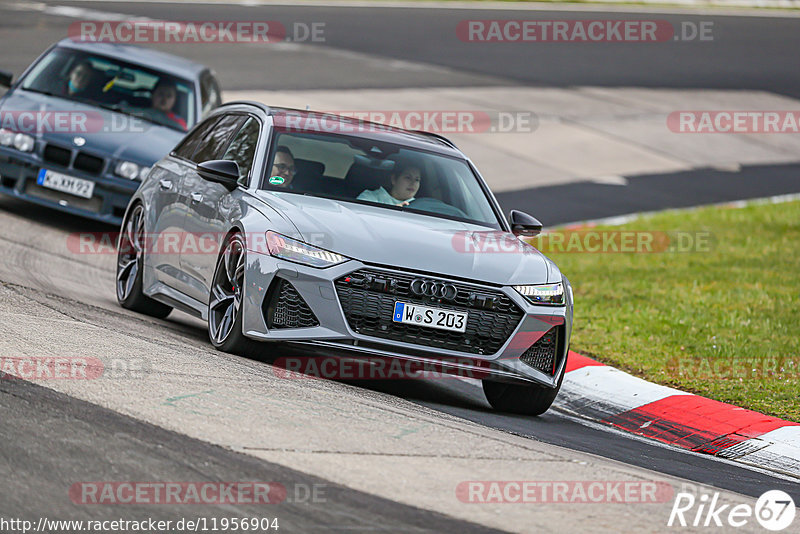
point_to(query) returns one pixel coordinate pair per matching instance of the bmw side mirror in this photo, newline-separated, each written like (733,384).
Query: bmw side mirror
(6,78)
(221,171)
(524,225)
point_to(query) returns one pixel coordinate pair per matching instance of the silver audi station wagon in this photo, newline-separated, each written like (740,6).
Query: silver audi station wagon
(295,229)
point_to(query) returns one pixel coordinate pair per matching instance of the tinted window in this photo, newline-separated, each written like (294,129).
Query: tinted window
(214,144)
(242,149)
(186,148)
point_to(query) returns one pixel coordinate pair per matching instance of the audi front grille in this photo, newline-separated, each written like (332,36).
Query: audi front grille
(368,297)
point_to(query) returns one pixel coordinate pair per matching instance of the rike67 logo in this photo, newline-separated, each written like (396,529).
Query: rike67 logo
(774,510)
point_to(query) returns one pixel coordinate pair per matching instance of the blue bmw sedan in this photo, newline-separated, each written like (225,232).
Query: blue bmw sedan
(84,123)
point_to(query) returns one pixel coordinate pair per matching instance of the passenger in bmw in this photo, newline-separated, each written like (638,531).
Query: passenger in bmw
(163,99)
(405,184)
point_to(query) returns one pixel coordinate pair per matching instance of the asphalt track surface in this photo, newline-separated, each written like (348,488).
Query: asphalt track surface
(584,201)
(38,466)
(745,53)
(33,470)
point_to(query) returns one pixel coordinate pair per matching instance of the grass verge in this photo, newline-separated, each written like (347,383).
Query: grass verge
(721,320)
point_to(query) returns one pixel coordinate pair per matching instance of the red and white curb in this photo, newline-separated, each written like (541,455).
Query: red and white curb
(605,394)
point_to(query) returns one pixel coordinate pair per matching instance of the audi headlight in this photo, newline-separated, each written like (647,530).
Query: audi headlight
(6,137)
(290,249)
(127,169)
(23,142)
(548,294)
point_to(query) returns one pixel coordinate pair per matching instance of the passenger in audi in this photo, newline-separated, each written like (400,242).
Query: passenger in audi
(405,182)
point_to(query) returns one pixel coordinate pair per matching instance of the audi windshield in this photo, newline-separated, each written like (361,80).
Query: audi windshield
(385,174)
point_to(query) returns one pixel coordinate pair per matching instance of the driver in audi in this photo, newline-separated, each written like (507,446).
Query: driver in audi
(405,183)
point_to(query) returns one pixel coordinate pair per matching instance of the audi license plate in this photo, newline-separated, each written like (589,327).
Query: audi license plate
(65,184)
(431,317)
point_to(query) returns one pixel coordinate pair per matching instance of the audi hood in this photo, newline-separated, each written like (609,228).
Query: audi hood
(405,239)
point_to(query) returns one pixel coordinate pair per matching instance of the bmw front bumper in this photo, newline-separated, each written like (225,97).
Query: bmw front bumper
(18,174)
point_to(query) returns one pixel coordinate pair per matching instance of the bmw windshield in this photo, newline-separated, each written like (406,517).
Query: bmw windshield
(379,173)
(113,84)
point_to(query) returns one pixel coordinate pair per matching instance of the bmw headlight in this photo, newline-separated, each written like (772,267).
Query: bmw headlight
(6,137)
(548,294)
(23,142)
(127,169)
(290,249)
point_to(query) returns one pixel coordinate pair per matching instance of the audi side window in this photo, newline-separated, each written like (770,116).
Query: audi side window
(186,148)
(213,145)
(242,149)
(209,93)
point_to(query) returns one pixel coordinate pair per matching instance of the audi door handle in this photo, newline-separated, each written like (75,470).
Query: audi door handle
(165,185)
(197,197)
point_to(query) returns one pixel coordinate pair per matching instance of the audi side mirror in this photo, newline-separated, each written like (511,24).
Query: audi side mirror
(524,225)
(221,171)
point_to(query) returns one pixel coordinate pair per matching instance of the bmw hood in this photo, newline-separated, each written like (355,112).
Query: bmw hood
(409,240)
(106,132)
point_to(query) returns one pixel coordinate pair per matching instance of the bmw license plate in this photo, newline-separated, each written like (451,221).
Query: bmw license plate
(431,317)
(66,184)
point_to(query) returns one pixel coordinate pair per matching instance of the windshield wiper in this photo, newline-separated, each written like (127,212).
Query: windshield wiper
(43,92)
(323,195)
(136,114)
(65,97)
(120,109)
(112,107)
